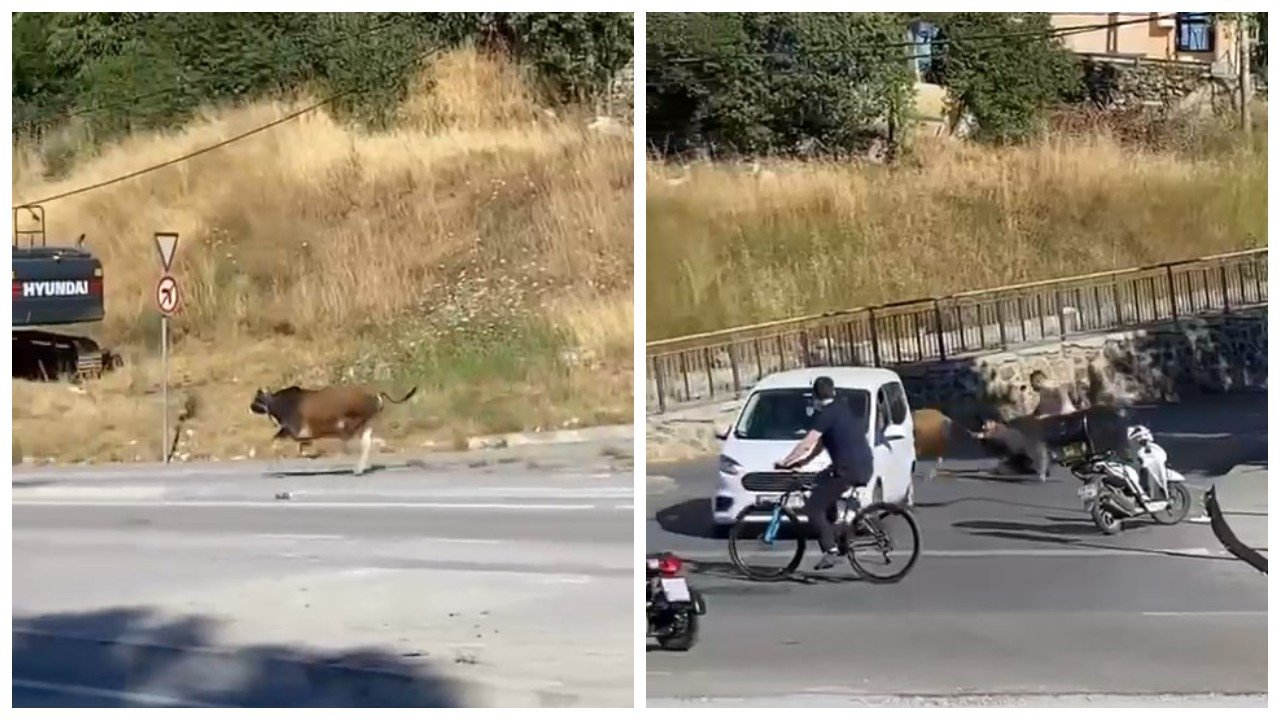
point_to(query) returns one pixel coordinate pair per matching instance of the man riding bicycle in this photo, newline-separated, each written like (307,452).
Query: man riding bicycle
(844,436)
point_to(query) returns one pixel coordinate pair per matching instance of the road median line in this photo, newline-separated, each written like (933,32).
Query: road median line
(297,505)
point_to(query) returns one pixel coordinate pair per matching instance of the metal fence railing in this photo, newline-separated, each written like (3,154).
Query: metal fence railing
(721,365)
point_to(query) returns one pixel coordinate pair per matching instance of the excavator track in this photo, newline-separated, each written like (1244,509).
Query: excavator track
(41,355)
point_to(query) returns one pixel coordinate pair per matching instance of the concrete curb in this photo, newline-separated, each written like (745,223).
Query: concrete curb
(659,483)
(152,493)
(602,433)
(687,433)
(1231,495)
(624,434)
(677,454)
(995,700)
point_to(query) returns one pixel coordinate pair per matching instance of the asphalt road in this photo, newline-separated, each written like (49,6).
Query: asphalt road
(1016,595)
(492,583)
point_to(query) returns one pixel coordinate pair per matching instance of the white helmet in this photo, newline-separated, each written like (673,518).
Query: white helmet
(1140,435)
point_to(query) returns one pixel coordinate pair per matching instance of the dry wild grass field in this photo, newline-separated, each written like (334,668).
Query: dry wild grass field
(728,247)
(481,251)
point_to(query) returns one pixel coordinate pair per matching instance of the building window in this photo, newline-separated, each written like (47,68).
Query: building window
(1195,32)
(922,35)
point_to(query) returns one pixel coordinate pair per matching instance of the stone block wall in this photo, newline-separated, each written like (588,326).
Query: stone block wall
(1128,84)
(1165,362)
(621,96)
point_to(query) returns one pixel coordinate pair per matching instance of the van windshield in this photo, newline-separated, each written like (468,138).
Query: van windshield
(786,413)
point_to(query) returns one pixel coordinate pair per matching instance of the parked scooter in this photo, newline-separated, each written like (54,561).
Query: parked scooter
(672,606)
(1118,488)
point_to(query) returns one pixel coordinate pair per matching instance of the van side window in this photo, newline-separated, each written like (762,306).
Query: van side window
(897,398)
(882,410)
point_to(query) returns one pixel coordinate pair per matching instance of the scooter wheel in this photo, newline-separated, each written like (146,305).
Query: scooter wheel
(687,636)
(1104,519)
(1179,506)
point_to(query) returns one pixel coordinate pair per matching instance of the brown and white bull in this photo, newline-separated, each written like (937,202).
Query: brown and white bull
(340,412)
(934,434)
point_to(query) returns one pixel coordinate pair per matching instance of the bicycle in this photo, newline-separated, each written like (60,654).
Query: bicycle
(851,519)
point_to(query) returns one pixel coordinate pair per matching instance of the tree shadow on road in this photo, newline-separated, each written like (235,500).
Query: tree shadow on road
(1065,532)
(1060,527)
(969,499)
(138,657)
(691,518)
(725,570)
(993,477)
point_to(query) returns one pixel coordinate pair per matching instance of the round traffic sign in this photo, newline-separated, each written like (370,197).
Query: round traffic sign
(167,294)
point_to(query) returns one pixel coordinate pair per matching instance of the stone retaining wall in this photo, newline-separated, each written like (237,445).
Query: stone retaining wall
(1114,84)
(1164,362)
(1161,363)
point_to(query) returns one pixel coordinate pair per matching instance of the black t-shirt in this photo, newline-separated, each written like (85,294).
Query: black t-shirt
(843,435)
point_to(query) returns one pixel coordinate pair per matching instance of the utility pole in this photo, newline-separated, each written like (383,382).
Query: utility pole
(1246,89)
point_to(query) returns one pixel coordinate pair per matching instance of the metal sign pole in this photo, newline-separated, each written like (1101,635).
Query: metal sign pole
(164,385)
(167,302)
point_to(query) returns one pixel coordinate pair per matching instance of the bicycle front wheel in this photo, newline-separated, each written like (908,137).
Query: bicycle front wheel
(761,557)
(886,544)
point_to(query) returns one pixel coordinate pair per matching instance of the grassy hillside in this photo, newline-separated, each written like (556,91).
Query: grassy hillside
(728,247)
(481,251)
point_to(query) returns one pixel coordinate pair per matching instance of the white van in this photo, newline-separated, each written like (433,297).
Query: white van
(779,412)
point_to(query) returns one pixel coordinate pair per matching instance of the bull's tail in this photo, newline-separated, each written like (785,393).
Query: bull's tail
(407,395)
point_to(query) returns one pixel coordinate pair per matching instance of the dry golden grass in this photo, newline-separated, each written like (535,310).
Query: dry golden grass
(482,250)
(737,248)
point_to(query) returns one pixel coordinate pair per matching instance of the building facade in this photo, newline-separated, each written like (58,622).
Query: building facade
(1207,39)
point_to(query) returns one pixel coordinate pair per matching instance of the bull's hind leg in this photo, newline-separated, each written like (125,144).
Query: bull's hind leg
(366,443)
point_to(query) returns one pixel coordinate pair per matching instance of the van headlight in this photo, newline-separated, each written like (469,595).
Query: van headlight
(729,466)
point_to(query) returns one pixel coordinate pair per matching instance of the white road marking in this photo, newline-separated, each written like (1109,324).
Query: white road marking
(163,539)
(1208,613)
(173,492)
(624,507)
(122,695)
(853,697)
(297,536)
(603,492)
(360,572)
(1067,552)
(1041,552)
(293,504)
(556,579)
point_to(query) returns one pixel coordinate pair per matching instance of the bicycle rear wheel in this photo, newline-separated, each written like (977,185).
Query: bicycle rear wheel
(887,537)
(761,558)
